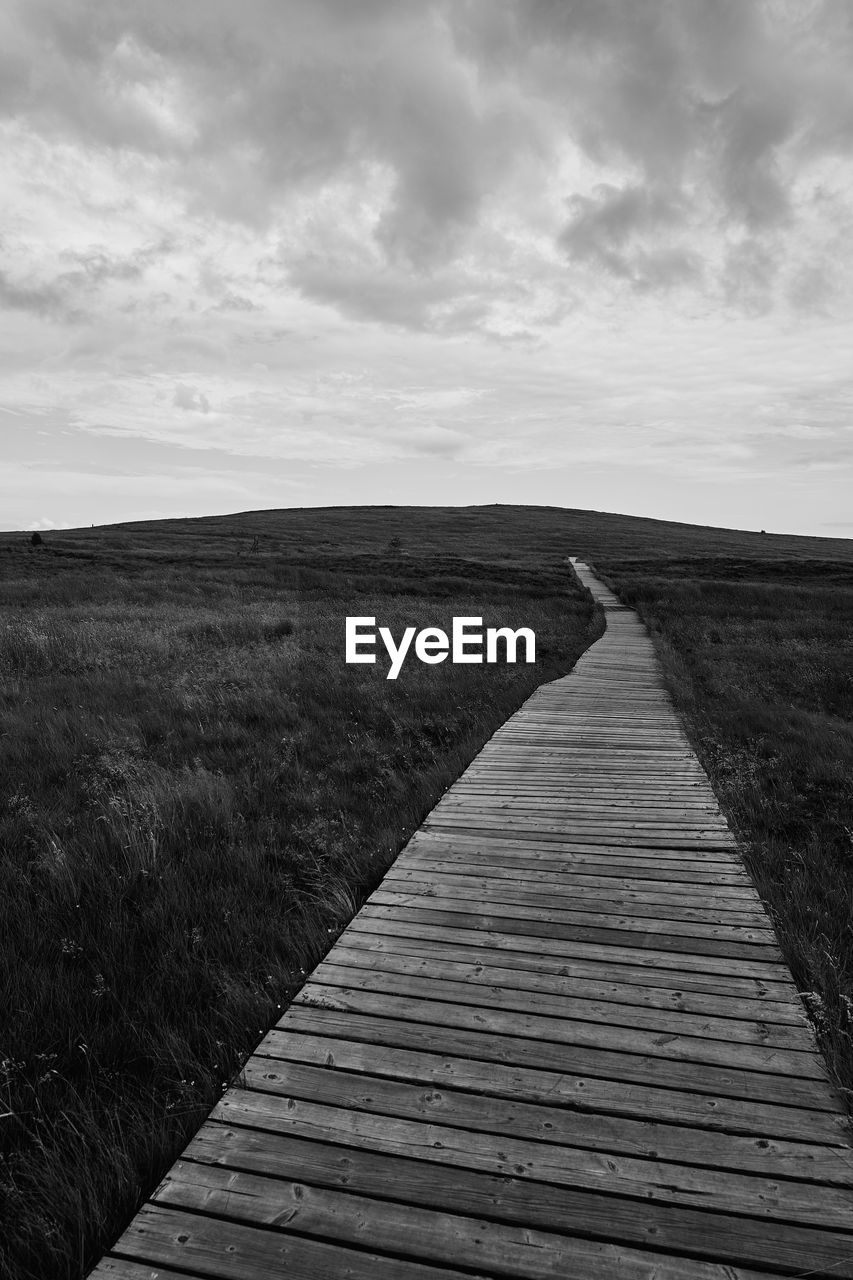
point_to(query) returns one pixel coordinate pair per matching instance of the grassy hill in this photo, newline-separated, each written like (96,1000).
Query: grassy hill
(197,792)
(540,534)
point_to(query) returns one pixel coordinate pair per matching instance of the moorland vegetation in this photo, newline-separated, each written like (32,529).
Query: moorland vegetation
(197,792)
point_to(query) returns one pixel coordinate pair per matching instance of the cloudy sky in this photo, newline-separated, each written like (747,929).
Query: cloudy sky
(591,253)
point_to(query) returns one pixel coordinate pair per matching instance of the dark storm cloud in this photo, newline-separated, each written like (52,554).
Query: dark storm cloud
(439,300)
(265,98)
(190,399)
(608,229)
(364,292)
(710,105)
(43,300)
(699,104)
(705,102)
(78,276)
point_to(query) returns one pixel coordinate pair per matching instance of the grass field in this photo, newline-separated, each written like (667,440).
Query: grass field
(197,792)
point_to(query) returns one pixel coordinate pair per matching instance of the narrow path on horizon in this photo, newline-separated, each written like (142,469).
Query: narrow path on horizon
(559,1040)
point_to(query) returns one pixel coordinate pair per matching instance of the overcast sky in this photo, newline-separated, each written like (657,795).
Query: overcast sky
(591,253)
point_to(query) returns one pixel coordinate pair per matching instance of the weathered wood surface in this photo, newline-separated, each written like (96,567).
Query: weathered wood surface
(558,1040)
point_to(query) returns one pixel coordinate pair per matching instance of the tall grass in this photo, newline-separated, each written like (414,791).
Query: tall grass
(197,793)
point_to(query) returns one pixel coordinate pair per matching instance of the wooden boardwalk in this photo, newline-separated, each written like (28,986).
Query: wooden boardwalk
(558,1041)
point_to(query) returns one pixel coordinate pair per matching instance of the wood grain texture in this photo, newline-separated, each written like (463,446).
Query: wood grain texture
(558,1040)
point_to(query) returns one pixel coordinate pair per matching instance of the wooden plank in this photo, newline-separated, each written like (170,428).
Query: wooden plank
(583,817)
(605,859)
(588,979)
(619,801)
(582,804)
(457,913)
(704,972)
(405,1230)
(465,1060)
(554,910)
(569,852)
(494,838)
(672,1061)
(230,1250)
(571,803)
(652,1181)
(598,864)
(584,762)
(569,764)
(556,1018)
(534,778)
(731,901)
(570,855)
(577,1214)
(597,869)
(489,1113)
(553,832)
(556,844)
(681,874)
(126,1269)
(567,866)
(540,894)
(538,992)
